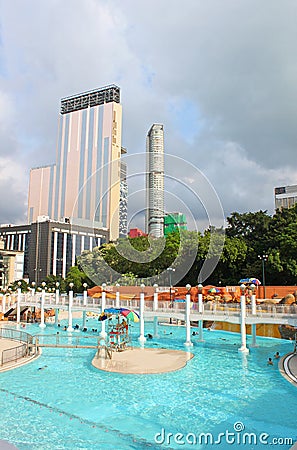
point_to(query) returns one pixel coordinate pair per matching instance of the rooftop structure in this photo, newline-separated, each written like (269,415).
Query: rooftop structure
(84,183)
(285,196)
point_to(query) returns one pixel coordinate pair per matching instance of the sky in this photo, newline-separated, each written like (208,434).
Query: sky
(219,74)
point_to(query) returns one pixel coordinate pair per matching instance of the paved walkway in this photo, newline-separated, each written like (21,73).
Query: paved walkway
(143,361)
(288,367)
(10,344)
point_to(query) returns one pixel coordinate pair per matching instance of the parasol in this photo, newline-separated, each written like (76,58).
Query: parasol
(130,314)
(250,281)
(214,290)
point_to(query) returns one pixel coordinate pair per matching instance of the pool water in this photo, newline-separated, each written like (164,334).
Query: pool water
(72,405)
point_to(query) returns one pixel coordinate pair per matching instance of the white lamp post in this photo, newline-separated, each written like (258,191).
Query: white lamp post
(187,316)
(141,338)
(85,298)
(117,305)
(254,312)
(70,304)
(42,324)
(200,310)
(19,302)
(103,306)
(243,347)
(155,308)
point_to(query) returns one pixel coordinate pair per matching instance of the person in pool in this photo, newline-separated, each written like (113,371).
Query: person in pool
(277,355)
(270,362)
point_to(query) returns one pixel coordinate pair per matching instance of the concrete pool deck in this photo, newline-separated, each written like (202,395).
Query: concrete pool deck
(9,344)
(143,361)
(288,367)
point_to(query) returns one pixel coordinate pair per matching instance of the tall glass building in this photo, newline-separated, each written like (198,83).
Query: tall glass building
(83,186)
(155,181)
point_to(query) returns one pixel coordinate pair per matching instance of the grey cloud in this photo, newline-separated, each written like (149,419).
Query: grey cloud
(221,76)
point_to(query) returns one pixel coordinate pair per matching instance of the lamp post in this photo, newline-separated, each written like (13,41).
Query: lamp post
(141,338)
(170,270)
(70,295)
(200,310)
(187,316)
(243,347)
(155,308)
(254,312)
(42,324)
(19,302)
(263,258)
(117,303)
(85,298)
(103,333)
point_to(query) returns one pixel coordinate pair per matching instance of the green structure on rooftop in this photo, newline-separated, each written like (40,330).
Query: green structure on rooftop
(173,222)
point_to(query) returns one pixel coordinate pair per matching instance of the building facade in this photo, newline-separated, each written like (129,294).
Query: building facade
(285,196)
(174,222)
(84,183)
(123,218)
(154,223)
(50,247)
(11,265)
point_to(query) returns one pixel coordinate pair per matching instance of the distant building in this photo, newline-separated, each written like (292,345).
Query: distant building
(136,232)
(123,224)
(285,197)
(84,183)
(11,265)
(50,247)
(155,181)
(174,221)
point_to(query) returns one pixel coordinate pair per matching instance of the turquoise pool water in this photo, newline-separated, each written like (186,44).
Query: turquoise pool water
(71,405)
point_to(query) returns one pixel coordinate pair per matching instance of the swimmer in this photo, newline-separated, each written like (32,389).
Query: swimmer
(270,362)
(277,355)
(150,336)
(41,368)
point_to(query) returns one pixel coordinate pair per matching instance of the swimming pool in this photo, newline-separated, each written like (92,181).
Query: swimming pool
(70,404)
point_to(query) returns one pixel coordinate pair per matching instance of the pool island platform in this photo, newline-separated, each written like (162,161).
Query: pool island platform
(143,361)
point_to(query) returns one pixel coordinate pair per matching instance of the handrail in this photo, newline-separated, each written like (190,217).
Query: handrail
(19,351)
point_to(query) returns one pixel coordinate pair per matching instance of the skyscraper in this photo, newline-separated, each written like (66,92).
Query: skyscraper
(83,186)
(155,181)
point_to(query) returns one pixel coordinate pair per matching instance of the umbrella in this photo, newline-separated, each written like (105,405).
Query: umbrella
(214,290)
(250,281)
(130,314)
(113,310)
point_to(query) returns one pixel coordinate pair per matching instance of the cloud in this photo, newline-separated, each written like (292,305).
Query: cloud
(220,76)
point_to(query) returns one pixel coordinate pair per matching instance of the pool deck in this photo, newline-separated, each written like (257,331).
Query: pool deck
(143,361)
(288,367)
(6,344)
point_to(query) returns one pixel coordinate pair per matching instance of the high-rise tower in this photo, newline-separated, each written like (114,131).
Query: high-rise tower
(155,181)
(84,184)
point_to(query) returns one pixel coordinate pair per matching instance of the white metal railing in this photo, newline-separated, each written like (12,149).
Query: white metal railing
(209,308)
